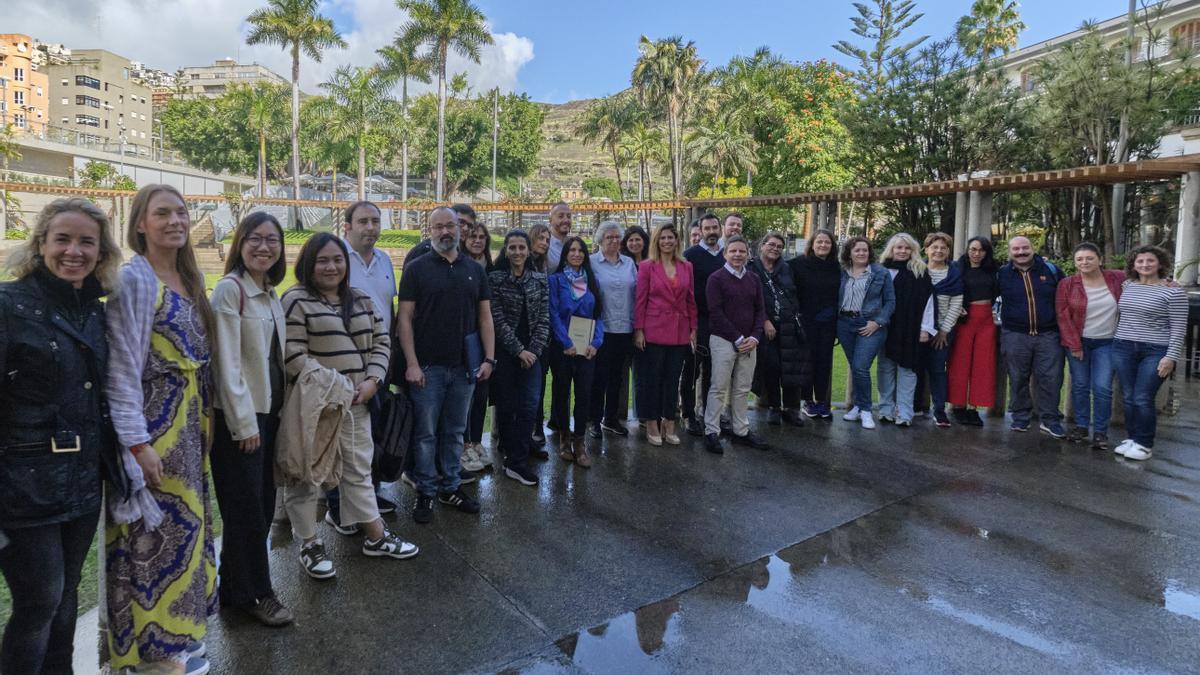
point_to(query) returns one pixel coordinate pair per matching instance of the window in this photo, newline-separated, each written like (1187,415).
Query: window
(19,74)
(142,134)
(1188,34)
(125,73)
(1028,82)
(19,97)
(85,81)
(19,120)
(121,99)
(87,120)
(66,83)
(39,91)
(66,120)
(89,101)
(66,101)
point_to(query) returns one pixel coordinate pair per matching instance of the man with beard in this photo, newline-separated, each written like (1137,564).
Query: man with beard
(560,229)
(1029,336)
(706,258)
(444,324)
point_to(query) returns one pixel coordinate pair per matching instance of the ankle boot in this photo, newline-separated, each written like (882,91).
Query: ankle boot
(582,458)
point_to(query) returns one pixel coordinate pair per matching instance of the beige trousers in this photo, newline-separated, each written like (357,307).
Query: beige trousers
(357,493)
(732,377)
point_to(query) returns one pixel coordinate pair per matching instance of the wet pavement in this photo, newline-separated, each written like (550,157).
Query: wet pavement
(894,550)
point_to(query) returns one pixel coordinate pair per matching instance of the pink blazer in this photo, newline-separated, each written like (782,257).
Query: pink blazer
(665,311)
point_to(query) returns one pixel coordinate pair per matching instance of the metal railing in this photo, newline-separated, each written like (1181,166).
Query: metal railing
(80,138)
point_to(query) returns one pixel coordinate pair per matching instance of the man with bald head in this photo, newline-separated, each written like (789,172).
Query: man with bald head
(560,229)
(1029,336)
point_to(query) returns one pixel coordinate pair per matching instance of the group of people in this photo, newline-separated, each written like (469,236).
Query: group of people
(280,395)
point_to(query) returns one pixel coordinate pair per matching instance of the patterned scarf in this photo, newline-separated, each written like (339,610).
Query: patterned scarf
(578,282)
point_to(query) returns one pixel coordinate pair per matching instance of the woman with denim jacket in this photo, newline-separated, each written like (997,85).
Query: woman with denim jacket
(866,300)
(54,440)
(1086,305)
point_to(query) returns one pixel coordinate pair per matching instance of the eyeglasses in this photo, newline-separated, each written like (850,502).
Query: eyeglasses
(255,241)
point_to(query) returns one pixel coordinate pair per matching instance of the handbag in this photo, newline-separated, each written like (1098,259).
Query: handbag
(392,423)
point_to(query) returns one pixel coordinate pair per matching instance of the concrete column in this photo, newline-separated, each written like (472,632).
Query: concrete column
(961,210)
(1187,235)
(979,219)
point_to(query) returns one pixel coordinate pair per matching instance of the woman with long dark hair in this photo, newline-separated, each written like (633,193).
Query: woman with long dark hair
(818,278)
(573,293)
(910,327)
(972,369)
(782,360)
(635,244)
(866,301)
(54,430)
(161,329)
(249,395)
(521,314)
(539,247)
(334,328)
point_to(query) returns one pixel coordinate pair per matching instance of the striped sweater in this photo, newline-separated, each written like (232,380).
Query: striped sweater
(1154,313)
(315,329)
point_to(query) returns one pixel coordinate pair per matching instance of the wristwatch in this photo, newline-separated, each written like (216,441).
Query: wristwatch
(490,362)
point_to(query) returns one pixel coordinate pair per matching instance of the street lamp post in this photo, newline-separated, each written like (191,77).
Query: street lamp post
(495,143)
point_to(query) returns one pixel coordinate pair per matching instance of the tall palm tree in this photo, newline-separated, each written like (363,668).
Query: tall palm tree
(262,108)
(401,62)
(666,70)
(8,151)
(992,27)
(607,122)
(444,25)
(644,144)
(724,146)
(294,25)
(357,108)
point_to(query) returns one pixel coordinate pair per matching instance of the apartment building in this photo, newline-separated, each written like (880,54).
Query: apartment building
(93,93)
(24,87)
(213,81)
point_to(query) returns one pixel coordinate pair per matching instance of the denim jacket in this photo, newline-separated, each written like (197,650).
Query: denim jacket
(880,301)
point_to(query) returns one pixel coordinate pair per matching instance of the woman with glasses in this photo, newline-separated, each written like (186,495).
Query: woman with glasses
(971,373)
(476,245)
(783,357)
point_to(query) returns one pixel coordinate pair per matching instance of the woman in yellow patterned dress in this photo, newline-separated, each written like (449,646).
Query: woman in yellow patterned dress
(160,567)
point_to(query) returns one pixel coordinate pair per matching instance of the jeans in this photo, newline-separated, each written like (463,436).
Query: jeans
(1091,384)
(43,565)
(860,352)
(568,370)
(733,373)
(658,370)
(245,487)
(1137,369)
(611,363)
(897,387)
(441,408)
(820,343)
(934,363)
(1028,356)
(516,393)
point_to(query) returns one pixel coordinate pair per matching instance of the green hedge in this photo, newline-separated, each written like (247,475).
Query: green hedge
(15,234)
(387,239)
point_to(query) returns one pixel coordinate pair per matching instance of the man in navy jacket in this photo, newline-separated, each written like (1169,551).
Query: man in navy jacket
(1029,336)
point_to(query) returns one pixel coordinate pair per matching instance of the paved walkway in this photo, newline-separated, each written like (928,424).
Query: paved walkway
(897,550)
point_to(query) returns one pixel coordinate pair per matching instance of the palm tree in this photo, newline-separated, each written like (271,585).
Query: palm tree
(357,108)
(991,27)
(444,25)
(644,144)
(296,26)
(401,62)
(261,107)
(666,70)
(606,122)
(8,151)
(725,145)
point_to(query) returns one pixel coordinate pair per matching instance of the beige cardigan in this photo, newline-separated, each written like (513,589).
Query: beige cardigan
(243,353)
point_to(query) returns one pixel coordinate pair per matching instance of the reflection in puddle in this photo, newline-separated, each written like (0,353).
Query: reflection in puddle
(1180,601)
(1007,630)
(629,642)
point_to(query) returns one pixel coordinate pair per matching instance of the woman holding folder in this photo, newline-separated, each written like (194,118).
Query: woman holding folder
(578,333)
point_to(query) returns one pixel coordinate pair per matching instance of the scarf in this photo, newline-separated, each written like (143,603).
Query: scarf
(953,283)
(578,280)
(904,332)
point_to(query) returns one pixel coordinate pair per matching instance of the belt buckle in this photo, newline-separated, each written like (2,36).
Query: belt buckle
(57,449)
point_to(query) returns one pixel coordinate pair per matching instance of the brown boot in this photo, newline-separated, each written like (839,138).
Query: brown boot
(567,454)
(582,458)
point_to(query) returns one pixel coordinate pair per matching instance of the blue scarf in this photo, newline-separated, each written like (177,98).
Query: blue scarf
(953,283)
(578,282)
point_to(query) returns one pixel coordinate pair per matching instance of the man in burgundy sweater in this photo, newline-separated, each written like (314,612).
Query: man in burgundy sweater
(735,317)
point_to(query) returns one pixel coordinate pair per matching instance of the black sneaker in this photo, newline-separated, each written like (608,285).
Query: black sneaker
(1078,435)
(751,440)
(344,530)
(695,427)
(384,504)
(614,428)
(389,546)
(522,475)
(423,511)
(539,453)
(315,562)
(1100,442)
(467,477)
(774,418)
(459,500)
(973,418)
(794,418)
(726,426)
(539,436)
(712,443)
(940,419)
(594,430)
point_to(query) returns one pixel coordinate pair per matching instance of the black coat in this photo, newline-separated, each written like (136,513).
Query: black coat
(789,350)
(53,360)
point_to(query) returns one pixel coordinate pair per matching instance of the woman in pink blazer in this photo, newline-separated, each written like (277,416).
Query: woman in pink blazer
(664,328)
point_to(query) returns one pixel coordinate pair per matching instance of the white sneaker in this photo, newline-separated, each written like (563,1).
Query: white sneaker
(469,459)
(868,422)
(852,415)
(1137,451)
(1123,446)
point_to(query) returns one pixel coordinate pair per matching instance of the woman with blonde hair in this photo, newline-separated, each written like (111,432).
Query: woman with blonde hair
(160,569)
(55,438)
(911,327)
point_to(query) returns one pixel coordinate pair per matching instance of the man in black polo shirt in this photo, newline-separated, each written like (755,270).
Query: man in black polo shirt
(706,257)
(444,323)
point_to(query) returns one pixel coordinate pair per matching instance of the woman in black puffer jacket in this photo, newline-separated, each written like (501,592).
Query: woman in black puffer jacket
(783,362)
(54,431)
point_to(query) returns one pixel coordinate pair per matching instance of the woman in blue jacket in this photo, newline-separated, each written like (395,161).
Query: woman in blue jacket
(573,292)
(866,300)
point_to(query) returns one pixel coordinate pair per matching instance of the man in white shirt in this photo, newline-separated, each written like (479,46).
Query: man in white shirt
(370,268)
(560,229)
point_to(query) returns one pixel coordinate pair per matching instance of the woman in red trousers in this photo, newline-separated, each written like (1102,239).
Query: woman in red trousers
(972,371)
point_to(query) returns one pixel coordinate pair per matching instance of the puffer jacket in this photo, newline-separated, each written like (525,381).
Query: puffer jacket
(790,349)
(53,361)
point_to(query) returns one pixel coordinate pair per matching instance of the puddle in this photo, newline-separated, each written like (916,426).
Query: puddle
(629,642)
(1180,601)
(1017,634)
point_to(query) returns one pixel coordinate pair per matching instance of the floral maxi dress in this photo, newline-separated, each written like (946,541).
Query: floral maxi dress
(161,584)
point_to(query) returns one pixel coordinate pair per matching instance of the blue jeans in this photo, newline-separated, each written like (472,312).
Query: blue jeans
(441,408)
(897,387)
(1137,369)
(1091,384)
(860,352)
(934,364)
(516,392)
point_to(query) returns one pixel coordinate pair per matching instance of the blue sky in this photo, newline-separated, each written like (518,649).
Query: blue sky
(586,49)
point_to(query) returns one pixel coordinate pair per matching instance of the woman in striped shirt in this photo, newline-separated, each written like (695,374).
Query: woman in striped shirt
(1148,343)
(336,325)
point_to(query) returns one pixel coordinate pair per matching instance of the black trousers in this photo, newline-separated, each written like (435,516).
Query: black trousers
(658,369)
(611,364)
(43,565)
(245,487)
(768,375)
(568,371)
(697,370)
(821,336)
(517,396)
(477,413)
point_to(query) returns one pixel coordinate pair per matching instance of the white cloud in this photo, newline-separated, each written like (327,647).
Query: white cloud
(176,33)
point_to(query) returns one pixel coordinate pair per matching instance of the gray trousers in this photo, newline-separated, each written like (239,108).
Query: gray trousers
(1033,356)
